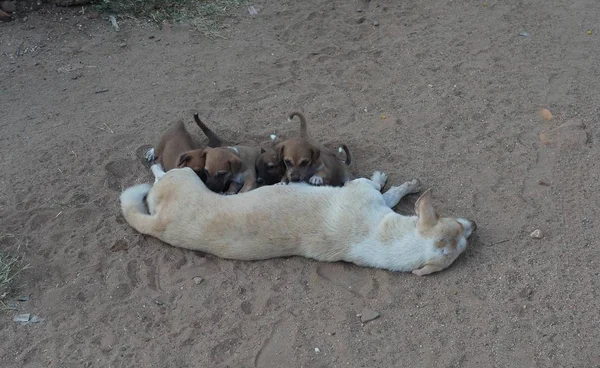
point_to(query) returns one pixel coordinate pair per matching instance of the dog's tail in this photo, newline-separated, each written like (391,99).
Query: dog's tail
(213,139)
(303,129)
(134,208)
(345,149)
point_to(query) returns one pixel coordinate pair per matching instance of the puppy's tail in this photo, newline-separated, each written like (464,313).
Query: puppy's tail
(303,129)
(345,149)
(213,139)
(134,208)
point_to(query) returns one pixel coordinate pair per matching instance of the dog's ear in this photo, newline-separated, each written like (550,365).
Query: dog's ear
(316,153)
(279,151)
(425,211)
(235,165)
(183,160)
(262,150)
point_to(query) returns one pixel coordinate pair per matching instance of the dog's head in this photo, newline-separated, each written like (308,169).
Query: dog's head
(269,169)
(195,160)
(299,157)
(221,165)
(448,235)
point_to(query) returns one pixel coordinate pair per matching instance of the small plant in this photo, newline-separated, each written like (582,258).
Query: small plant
(205,15)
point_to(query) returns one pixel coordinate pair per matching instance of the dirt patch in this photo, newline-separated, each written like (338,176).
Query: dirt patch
(448,92)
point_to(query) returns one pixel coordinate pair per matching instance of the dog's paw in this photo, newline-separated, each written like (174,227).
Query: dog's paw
(150,155)
(316,180)
(379,178)
(412,186)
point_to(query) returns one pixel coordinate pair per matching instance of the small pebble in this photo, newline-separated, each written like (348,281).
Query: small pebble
(22,317)
(368,315)
(376,23)
(360,20)
(537,234)
(589,32)
(197,280)
(546,114)
(23,298)
(317,350)
(359,10)
(122,44)
(524,34)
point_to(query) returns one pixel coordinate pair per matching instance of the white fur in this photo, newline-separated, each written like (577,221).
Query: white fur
(158,172)
(353,223)
(150,156)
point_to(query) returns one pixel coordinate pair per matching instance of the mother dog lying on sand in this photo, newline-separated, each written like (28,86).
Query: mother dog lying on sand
(354,223)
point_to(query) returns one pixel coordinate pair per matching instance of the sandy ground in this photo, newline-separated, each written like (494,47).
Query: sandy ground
(444,91)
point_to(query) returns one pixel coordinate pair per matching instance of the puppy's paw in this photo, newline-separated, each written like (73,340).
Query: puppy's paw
(412,186)
(150,155)
(379,178)
(316,180)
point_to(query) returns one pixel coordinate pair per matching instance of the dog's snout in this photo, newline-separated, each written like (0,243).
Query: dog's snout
(295,179)
(260,181)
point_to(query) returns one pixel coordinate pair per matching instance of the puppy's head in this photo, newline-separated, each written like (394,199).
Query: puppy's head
(195,160)
(221,165)
(299,157)
(448,235)
(269,170)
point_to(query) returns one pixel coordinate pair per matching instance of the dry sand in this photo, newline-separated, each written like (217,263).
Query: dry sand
(445,91)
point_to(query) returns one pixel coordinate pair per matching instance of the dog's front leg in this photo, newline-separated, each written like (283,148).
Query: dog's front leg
(250,182)
(427,269)
(393,195)
(158,172)
(321,177)
(234,188)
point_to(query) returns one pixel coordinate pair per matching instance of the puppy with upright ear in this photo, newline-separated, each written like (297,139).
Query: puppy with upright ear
(177,141)
(269,169)
(309,162)
(231,169)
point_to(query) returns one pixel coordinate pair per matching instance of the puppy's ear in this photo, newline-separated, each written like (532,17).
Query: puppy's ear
(235,165)
(316,153)
(279,151)
(425,211)
(262,150)
(183,160)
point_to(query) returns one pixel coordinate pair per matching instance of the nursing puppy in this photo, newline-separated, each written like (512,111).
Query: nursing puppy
(230,169)
(175,141)
(353,223)
(269,169)
(306,161)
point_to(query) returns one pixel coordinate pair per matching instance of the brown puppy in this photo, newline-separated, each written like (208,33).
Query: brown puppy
(229,169)
(269,169)
(305,161)
(175,141)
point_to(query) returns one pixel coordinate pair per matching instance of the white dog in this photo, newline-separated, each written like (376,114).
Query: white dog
(353,223)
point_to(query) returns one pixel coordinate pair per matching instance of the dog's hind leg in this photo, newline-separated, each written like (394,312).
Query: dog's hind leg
(393,195)
(377,181)
(158,172)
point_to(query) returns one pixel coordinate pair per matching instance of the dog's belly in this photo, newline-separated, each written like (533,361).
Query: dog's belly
(273,222)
